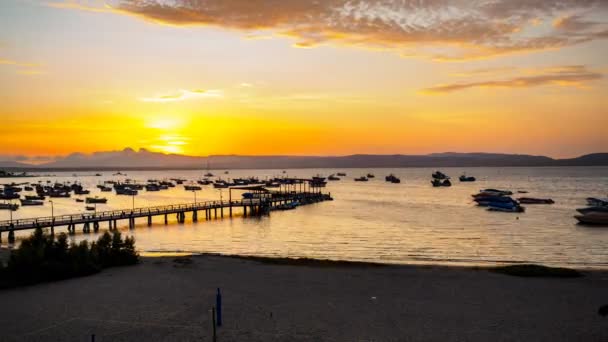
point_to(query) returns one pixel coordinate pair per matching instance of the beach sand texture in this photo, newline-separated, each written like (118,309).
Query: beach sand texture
(164,300)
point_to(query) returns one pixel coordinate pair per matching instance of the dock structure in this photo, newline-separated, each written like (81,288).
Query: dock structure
(262,201)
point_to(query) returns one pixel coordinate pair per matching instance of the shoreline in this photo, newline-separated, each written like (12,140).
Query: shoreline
(169,298)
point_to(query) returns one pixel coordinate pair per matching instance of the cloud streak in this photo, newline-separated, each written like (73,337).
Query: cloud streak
(183,95)
(572,76)
(447,30)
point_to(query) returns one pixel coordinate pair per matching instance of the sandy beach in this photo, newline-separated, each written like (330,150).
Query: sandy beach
(165,300)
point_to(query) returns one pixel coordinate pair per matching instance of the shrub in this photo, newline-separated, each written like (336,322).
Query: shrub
(42,257)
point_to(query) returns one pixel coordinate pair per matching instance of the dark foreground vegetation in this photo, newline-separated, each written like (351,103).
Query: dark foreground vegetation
(531,270)
(43,257)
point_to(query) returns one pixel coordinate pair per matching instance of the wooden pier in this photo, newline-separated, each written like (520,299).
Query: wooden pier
(263,203)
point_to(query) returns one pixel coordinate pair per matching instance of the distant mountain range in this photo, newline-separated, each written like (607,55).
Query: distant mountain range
(144,159)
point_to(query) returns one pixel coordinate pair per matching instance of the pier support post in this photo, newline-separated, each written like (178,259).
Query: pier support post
(230,209)
(222,211)
(195,216)
(86,228)
(52,230)
(166,220)
(131,222)
(149,221)
(96,226)
(0,237)
(11,236)
(244,211)
(215,211)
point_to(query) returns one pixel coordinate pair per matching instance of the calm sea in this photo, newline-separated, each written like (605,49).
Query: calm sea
(411,222)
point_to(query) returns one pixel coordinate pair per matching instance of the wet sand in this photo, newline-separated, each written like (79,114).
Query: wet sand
(164,300)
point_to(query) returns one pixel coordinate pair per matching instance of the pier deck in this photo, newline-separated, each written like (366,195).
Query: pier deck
(250,207)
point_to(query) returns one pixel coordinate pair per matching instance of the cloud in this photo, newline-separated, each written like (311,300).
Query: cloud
(452,29)
(182,95)
(23,68)
(573,75)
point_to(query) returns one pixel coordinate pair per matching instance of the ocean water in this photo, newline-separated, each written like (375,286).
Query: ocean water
(411,222)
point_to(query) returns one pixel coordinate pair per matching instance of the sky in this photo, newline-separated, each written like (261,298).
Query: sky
(303,77)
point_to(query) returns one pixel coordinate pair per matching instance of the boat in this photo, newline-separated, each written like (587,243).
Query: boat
(597,202)
(392,178)
(465,178)
(9,196)
(25,202)
(105,189)
(89,208)
(437,182)
(226,172)
(208,174)
(593,218)
(220,185)
(96,200)
(34,198)
(152,187)
(9,206)
(507,209)
(192,188)
(126,191)
(318,178)
(287,206)
(98,175)
(81,192)
(28,188)
(493,192)
(79,200)
(488,200)
(341,174)
(530,200)
(439,175)
(55,194)
(592,209)
(370,175)
(333,178)
(361,179)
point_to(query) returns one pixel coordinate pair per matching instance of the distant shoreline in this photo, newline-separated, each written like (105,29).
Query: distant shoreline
(108,169)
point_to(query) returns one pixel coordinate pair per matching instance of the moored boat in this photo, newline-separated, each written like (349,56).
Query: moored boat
(392,178)
(592,209)
(465,178)
(9,206)
(594,218)
(96,200)
(25,202)
(530,200)
(597,202)
(361,179)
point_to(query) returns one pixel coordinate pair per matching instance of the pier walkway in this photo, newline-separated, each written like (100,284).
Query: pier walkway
(211,209)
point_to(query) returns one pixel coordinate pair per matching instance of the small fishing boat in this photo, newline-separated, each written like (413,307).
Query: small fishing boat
(34,198)
(30,203)
(392,178)
(441,183)
(28,188)
(333,178)
(361,179)
(192,188)
(81,192)
(439,175)
(220,185)
(96,200)
(493,192)
(465,178)
(208,174)
(507,209)
(341,174)
(79,200)
(530,200)
(9,206)
(594,218)
(89,208)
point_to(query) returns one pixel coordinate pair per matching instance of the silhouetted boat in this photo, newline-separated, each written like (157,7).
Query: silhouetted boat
(529,200)
(592,209)
(341,174)
(333,178)
(597,202)
(370,175)
(89,208)
(96,200)
(9,206)
(25,202)
(465,178)
(439,175)
(361,179)
(594,218)
(438,183)
(392,178)
(192,188)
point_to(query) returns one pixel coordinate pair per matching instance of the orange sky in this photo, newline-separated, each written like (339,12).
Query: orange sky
(231,77)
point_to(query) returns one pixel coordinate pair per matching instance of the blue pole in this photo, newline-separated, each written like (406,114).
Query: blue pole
(218,305)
